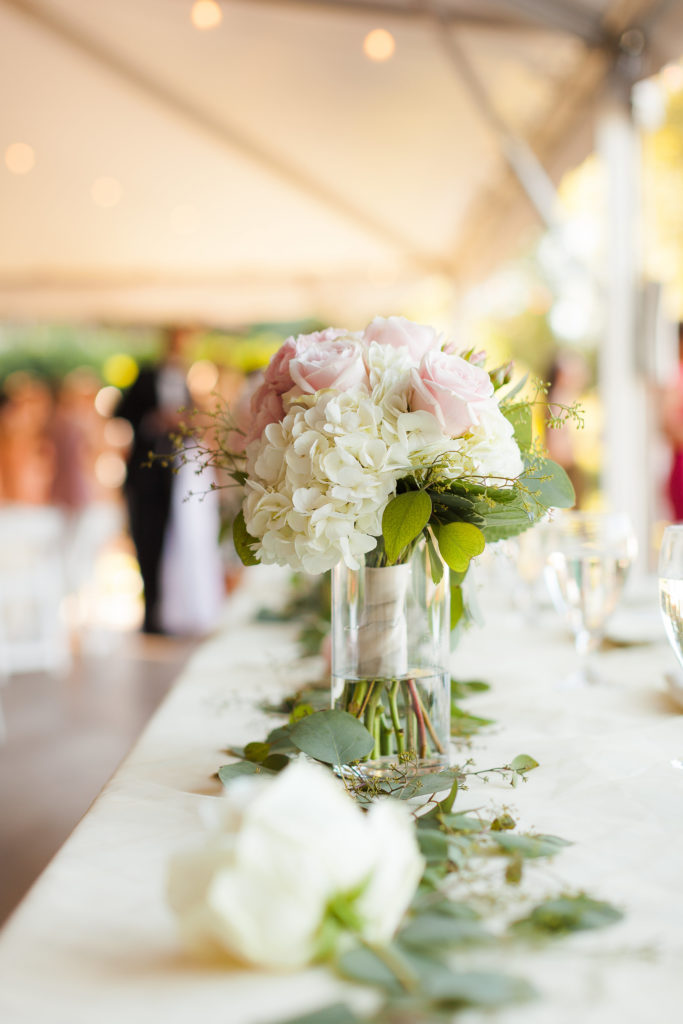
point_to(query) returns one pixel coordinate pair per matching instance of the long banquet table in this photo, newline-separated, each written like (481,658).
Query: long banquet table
(94,942)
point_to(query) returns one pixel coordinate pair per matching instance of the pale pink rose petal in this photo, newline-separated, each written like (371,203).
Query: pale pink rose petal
(266,407)
(334,363)
(399,332)
(450,389)
(277,373)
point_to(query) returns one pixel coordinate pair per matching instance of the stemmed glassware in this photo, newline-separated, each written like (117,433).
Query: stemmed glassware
(671,596)
(671,587)
(588,556)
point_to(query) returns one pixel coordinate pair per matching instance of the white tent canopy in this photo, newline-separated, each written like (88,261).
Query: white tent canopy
(267,169)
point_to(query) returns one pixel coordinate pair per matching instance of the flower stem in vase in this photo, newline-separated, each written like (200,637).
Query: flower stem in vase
(419,717)
(388,656)
(396,718)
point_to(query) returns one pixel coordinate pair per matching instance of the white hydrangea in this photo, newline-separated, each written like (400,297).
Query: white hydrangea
(320,480)
(492,447)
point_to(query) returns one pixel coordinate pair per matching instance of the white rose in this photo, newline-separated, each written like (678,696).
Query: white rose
(260,887)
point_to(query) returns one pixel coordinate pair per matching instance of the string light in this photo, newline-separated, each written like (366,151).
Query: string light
(20,158)
(379,45)
(206,14)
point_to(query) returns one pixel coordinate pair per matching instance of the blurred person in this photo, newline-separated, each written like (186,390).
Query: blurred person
(176,540)
(26,452)
(671,420)
(71,433)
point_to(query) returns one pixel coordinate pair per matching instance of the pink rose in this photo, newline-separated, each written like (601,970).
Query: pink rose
(277,373)
(450,389)
(266,407)
(329,364)
(401,333)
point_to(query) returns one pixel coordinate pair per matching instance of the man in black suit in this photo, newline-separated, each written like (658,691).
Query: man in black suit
(151,406)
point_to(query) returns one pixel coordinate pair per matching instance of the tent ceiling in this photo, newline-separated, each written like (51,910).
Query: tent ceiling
(267,168)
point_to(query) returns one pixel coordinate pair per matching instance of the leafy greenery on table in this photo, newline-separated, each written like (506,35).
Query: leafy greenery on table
(417,976)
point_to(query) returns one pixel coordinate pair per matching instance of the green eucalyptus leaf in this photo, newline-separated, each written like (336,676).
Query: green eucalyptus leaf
(301,711)
(463,822)
(280,740)
(436,566)
(335,1013)
(436,904)
(459,848)
(504,521)
(438,931)
(548,486)
(425,785)
(566,914)
(228,772)
(528,846)
(523,763)
(243,541)
(404,519)
(464,724)
(276,762)
(459,543)
(334,737)
(457,605)
(472,988)
(519,415)
(457,503)
(464,687)
(256,752)
(433,844)
(365,967)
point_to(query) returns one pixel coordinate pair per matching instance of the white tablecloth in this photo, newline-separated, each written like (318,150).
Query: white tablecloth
(94,943)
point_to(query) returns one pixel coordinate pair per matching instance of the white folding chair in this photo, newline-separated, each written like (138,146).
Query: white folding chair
(33,633)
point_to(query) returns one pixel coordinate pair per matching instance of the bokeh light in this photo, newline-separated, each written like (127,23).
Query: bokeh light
(118,433)
(202,377)
(379,45)
(110,470)
(20,158)
(206,14)
(120,370)
(106,400)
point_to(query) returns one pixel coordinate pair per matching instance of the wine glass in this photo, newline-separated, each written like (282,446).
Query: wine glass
(588,556)
(671,596)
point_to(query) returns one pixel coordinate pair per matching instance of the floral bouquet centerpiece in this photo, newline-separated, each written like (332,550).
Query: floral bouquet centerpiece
(389,458)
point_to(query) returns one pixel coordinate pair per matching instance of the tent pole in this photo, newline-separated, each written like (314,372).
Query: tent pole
(625,476)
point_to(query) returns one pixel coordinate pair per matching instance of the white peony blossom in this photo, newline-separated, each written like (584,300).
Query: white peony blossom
(284,848)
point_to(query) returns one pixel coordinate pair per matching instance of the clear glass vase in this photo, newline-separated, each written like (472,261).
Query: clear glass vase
(390,661)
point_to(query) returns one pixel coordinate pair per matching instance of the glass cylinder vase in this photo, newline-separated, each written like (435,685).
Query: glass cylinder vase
(390,661)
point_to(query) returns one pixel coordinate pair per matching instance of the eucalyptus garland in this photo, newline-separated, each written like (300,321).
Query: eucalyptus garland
(466,849)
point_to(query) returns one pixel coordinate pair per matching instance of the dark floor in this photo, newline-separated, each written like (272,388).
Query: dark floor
(63,739)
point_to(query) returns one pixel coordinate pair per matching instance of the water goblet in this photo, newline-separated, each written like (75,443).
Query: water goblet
(587,561)
(671,598)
